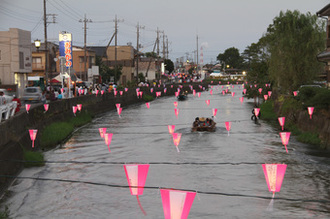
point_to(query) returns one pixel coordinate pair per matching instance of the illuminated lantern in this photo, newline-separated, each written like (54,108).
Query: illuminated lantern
(232,86)
(310,111)
(141,93)
(74,109)
(171,129)
(175,104)
(79,106)
(115,93)
(194,93)
(117,105)
(27,107)
(265,97)
(102,132)
(295,93)
(46,107)
(62,90)
(255,85)
(256,111)
(151,90)
(171,86)
(274,174)
(102,92)
(219,82)
(260,90)
(228,82)
(211,92)
(211,82)
(126,89)
(223,92)
(228,126)
(244,91)
(281,120)
(227,90)
(232,94)
(199,94)
(285,136)
(214,111)
(176,111)
(165,90)
(121,93)
(107,139)
(97,92)
(207,102)
(148,105)
(176,140)
(176,94)
(119,111)
(241,99)
(33,135)
(115,89)
(269,94)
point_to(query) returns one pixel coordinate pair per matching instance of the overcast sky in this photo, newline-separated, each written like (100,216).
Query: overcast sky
(220,24)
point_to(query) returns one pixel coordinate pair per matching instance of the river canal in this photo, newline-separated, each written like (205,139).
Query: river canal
(84,180)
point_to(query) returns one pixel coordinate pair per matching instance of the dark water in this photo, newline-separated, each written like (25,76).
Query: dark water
(226,170)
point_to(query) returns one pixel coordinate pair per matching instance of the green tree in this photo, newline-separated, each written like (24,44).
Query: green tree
(150,54)
(231,57)
(293,41)
(169,65)
(106,72)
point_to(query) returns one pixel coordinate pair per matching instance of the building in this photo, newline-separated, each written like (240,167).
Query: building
(15,58)
(325,55)
(148,67)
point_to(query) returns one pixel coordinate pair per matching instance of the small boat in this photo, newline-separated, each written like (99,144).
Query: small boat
(203,125)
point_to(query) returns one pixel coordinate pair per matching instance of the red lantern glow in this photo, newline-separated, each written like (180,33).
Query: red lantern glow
(285,136)
(33,135)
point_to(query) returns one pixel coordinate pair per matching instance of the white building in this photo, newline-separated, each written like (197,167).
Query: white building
(15,58)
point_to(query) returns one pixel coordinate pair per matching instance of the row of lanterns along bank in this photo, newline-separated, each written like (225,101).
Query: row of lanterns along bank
(177,203)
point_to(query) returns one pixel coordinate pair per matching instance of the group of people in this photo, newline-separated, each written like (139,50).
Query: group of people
(203,122)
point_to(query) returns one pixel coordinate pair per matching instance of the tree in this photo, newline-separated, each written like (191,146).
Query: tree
(151,54)
(293,41)
(231,57)
(106,72)
(169,65)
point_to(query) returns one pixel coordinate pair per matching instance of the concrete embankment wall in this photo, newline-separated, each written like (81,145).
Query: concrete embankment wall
(14,134)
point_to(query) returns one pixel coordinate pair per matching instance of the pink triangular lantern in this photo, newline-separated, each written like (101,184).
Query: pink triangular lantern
(281,120)
(310,111)
(176,140)
(74,109)
(228,126)
(119,111)
(241,99)
(207,102)
(171,129)
(260,90)
(121,93)
(256,111)
(223,92)
(117,105)
(102,92)
(115,93)
(102,132)
(199,94)
(46,107)
(79,107)
(175,104)
(269,94)
(266,97)
(244,91)
(295,93)
(274,174)
(227,90)
(33,135)
(96,92)
(148,105)
(107,139)
(285,136)
(176,94)
(214,111)
(211,92)
(255,85)
(176,112)
(194,93)
(27,107)
(165,90)
(126,89)
(232,94)
(141,93)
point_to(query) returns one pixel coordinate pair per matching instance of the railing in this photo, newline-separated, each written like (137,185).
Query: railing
(38,66)
(7,110)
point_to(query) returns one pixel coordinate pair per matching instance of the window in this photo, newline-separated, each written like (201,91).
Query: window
(36,62)
(81,59)
(21,60)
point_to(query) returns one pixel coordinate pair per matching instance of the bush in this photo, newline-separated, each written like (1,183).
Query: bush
(147,98)
(309,138)
(307,93)
(81,119)
(55,134)
(267,110)
(321,100)
(36,159)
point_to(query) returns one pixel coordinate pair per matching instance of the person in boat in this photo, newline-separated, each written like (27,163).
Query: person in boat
(196,122)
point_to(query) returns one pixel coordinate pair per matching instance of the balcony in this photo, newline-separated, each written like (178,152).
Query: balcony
(38,66)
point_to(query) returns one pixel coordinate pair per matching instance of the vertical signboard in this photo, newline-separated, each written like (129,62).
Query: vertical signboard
(65,44)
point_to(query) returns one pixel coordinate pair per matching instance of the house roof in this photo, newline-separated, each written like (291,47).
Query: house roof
(324,56)
(324,11)
(99,50)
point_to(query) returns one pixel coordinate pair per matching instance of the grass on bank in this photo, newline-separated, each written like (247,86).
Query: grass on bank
(59,131)
(268,114)
(4,214)
(33,158)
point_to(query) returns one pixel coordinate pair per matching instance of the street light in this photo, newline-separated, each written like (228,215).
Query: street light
(37,44)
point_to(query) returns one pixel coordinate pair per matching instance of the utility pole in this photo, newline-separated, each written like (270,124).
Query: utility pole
(46,46)
(197,54)
(137,49)
(85,41)
(157,43)
(164,46)
(116,32)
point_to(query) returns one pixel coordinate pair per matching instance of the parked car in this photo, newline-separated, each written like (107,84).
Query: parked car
(32,95)
(6,95)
